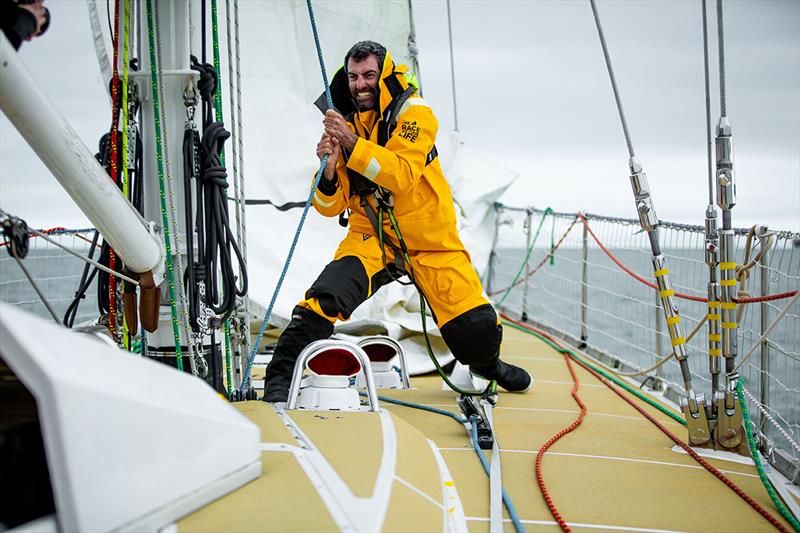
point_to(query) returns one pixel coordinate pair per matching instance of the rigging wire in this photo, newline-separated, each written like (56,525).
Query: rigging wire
(452,67)
(613,79)
(708,107)
(723,105)
(322,164)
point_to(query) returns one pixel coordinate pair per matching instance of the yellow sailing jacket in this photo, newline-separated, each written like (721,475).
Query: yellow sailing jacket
(423,202)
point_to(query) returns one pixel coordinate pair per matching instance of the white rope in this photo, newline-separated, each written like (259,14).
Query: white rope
(774,422)
(767,331)
(172,210)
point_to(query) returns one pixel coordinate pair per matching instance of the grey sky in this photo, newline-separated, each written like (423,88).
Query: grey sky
(533,94)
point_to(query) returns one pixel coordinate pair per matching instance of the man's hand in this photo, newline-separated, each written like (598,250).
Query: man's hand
(337,128)
(330,146)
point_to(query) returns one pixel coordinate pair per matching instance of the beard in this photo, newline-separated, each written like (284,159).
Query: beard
(368,103)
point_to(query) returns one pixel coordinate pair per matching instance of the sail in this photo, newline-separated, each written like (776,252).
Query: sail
(280,80)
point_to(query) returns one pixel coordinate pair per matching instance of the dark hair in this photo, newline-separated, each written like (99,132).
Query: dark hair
(363,49)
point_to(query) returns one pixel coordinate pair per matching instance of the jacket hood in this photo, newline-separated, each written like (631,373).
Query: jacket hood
(340,87)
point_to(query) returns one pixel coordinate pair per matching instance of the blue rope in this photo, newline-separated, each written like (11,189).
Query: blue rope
(512,511)
(322,164)
(459,419)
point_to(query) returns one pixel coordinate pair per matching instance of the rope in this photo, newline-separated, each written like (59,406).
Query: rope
(161,186)
(767,331)
(662,361)
(543,261)
(613,79)
(527,257)
(548,340)
(322,164)
(184,305)
(387,399)
(452,67)
(751,443)
(113,171)
(774,422)
(512,511)
(767,298)
(688,449)
(124,108)
(218,106)
(539,476)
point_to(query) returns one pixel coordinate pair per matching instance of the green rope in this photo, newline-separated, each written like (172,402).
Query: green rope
(218,109)
(527,257)
(160,162)
(492,387)
(602,372)
(757,460)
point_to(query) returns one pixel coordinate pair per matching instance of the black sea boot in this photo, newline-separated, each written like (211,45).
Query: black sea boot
(306,327)
(511,378)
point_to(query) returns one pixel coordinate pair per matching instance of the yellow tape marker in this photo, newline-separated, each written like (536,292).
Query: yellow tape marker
(728,282)
(713,316)
(727,265)
(729,325)
(715,338)
(662,272)
(713,303)
(714,352)
(674,320)
(729,305)
(679,340)
(667,293)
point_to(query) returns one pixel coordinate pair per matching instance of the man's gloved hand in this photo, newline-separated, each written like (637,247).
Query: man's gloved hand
(41,13)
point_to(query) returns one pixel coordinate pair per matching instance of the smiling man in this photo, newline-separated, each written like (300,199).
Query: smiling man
(383,167)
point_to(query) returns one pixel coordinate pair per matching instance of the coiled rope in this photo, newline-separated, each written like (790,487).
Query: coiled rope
(322,164)
(688,449)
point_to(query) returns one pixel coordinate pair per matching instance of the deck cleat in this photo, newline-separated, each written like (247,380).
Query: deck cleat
(331,365)
(471,408)
(381,350)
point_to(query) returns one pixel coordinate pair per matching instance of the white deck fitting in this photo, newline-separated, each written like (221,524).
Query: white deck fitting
(131,444)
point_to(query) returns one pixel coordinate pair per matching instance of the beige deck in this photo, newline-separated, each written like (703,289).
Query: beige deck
(615,472)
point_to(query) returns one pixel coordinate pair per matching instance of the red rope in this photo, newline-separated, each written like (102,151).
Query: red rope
(705,464)
(539,476)
(112,256)
(52,230)
(684,296)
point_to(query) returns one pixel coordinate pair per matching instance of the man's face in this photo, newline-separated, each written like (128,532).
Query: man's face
(363,76)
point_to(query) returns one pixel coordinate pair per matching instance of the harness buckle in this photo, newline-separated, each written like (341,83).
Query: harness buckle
(384,198)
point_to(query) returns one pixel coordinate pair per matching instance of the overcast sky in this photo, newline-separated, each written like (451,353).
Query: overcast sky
(533,94)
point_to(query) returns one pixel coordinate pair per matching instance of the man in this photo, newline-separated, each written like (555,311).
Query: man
(383,155)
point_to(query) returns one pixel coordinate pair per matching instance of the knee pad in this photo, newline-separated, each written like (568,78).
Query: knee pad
(474,336)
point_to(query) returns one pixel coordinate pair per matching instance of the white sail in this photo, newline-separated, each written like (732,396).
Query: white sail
(280,80)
